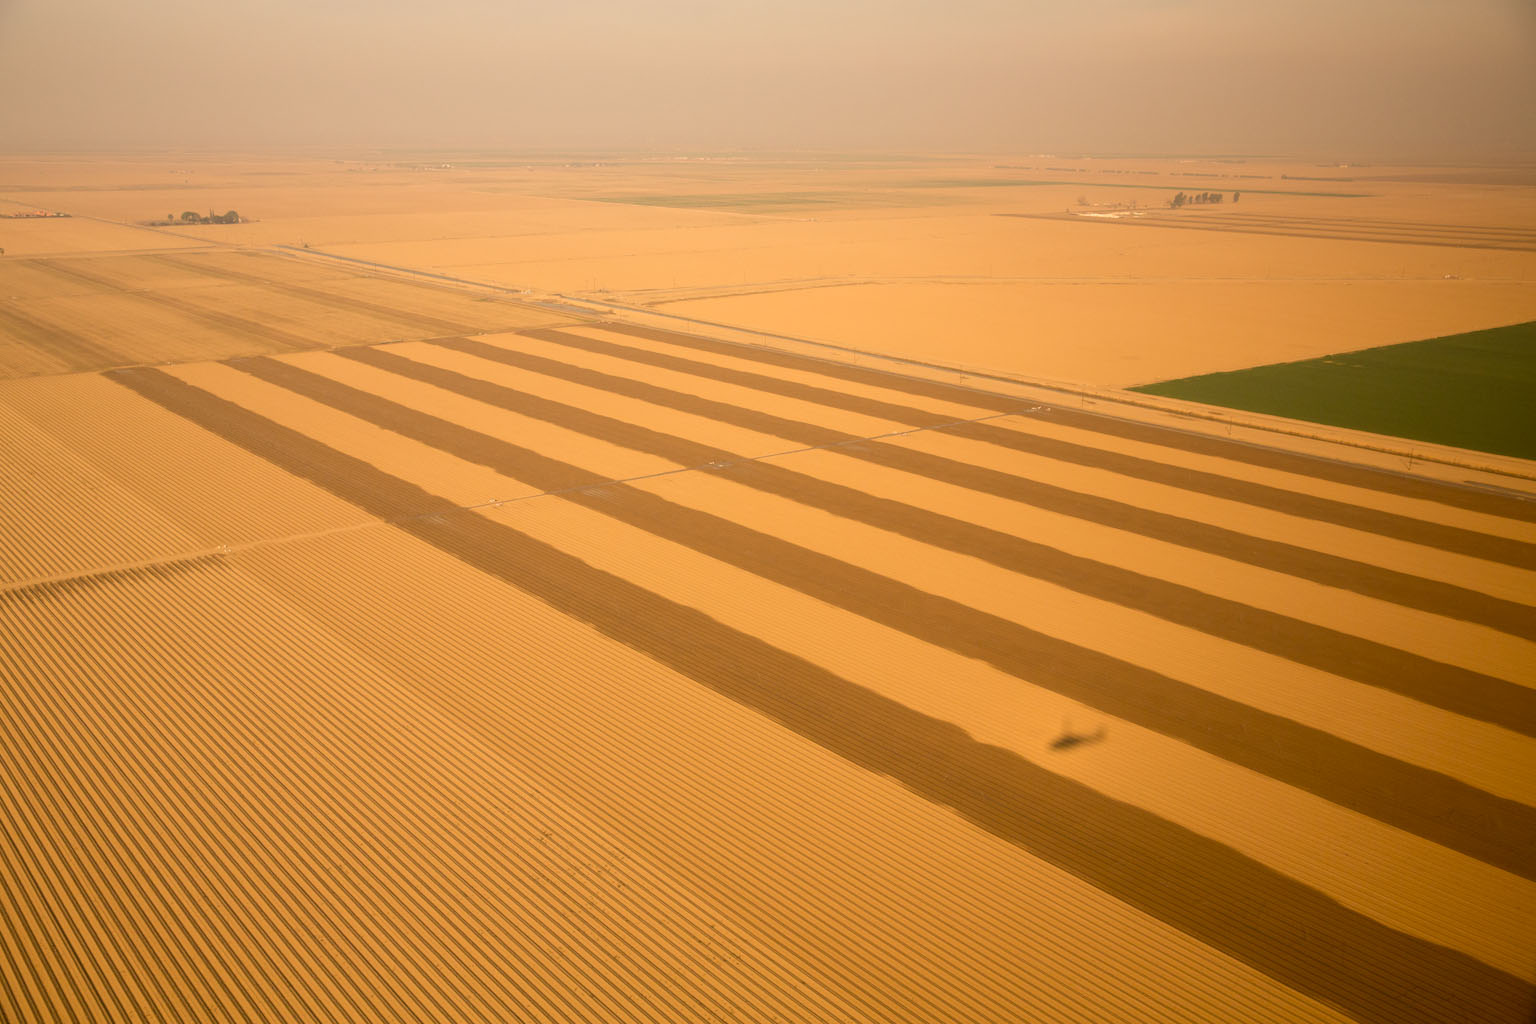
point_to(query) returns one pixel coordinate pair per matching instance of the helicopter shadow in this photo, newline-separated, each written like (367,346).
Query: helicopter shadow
(1069,738)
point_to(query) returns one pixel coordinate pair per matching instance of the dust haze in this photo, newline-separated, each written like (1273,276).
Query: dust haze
(1418,78)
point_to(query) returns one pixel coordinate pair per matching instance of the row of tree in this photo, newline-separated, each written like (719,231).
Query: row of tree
(1200,197)
(191,217)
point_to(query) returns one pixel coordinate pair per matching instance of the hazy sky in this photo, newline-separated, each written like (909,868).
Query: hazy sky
(1430,78)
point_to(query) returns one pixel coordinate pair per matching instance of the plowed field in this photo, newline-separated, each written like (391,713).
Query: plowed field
(71,313)
(597,672)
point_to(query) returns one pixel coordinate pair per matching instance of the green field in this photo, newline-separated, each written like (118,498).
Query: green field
(1474,390)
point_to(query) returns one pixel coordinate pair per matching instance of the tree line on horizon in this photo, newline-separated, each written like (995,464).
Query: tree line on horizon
(1200,197)
(193,217)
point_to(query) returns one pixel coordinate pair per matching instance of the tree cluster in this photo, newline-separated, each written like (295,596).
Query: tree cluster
(1199,197)
(190,217)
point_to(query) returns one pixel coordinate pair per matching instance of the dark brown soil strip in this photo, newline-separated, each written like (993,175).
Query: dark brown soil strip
(1232,903)
(1323,469)
(1441,809)
(238,327)
(78,353)
(1489,547)
(1330,570)
(420,321)
(1454,689)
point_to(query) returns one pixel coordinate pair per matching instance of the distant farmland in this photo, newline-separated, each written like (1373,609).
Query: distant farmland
(1472,390)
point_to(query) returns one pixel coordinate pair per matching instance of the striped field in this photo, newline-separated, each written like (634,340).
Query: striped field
(602,673)
(69,313)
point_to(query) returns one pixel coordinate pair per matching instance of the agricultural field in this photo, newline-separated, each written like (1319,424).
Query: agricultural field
(635,589)
(1469,390)
(601,672)
(49,237)
(81,312)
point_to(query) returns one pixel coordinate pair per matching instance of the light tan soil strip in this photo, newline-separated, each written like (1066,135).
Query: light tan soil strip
(1338,472)
(1454,689)
(1330,570)
(1286,930)
(1495,830)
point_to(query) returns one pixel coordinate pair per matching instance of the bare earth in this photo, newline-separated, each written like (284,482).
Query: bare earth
(380,646)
